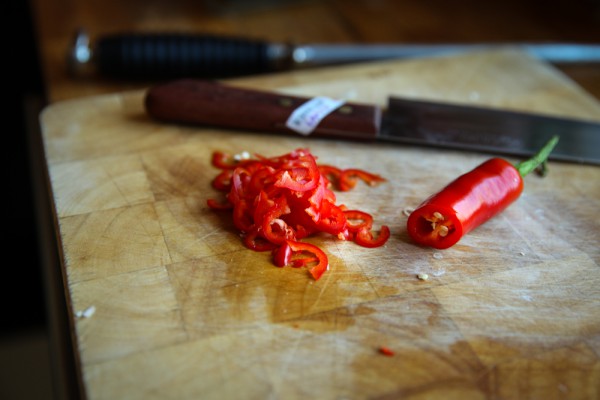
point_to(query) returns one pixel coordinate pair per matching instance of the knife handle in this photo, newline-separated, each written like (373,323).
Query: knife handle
(143,56)
(210,103)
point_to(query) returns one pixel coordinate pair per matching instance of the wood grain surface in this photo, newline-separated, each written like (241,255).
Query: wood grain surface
(178,308)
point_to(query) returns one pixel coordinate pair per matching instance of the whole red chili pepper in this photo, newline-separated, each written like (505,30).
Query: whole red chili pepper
(471,199)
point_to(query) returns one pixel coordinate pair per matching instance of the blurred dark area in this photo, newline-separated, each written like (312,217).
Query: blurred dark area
(24,292)
(25,351)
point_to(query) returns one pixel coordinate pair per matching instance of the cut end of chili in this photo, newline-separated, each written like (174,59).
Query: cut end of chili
(434,226)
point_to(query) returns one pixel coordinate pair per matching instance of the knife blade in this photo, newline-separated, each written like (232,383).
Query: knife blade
(408,121)
(169,55)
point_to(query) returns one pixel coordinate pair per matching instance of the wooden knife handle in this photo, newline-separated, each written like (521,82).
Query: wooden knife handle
(210,103)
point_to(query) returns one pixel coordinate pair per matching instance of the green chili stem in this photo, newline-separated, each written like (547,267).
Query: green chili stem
(525,167)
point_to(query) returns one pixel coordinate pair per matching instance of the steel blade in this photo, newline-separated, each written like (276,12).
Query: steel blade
(324,54)
(489,130)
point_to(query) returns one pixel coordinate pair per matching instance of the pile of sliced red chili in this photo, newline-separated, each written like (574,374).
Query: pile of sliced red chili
(279,201)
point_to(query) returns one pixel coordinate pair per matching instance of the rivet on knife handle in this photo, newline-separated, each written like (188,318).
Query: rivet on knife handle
(211,103)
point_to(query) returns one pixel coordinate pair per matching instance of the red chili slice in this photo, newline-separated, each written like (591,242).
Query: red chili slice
(253,240)
(262,179)
(386,351)
(284,256)
(216,205)
(357,215)
(299,175)
(332,219)
(364,237)
(222,182)
(239,182)
(242,216)
(331,173)
(275,229)
(224,161)
(349,178)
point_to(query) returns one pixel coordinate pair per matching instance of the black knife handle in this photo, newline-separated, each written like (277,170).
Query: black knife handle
(144,56)
(152,56)
(210,103)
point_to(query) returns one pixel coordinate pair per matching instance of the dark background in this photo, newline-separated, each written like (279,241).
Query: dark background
(23,294)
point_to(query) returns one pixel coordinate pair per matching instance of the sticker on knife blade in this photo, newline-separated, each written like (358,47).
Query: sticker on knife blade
(307,117)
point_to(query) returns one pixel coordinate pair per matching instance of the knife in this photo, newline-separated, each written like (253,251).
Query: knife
(177,55)
(216,104)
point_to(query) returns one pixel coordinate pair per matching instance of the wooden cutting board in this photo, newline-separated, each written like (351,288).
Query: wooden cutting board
(167,303)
